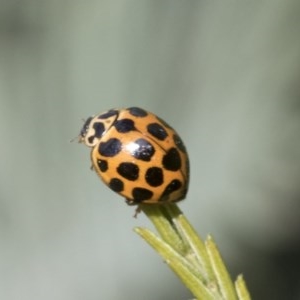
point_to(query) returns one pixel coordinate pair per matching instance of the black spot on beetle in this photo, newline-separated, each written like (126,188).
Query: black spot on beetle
(171,160)
(124,125)
(157,131)
(128,170)
(141,194)
(99,129)
(116,185)
(137,112)
(91,139)
(144,150)
(110,148)
(103,165)
(154,176)
(173,186)
(109,114)
(179,143)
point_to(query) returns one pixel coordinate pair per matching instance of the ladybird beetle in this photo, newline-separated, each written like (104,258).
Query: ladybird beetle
(137,155)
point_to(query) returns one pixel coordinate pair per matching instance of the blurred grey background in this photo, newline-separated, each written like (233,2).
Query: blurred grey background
(225,74)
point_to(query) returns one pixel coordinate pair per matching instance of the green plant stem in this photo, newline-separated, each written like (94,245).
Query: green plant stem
(163,221)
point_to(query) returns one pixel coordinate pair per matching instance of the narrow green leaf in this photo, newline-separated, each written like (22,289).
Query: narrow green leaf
(185,271)
(241,289)
(197,245)
(223,278)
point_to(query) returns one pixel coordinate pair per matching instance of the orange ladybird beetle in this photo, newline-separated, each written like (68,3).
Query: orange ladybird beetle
(137,155)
